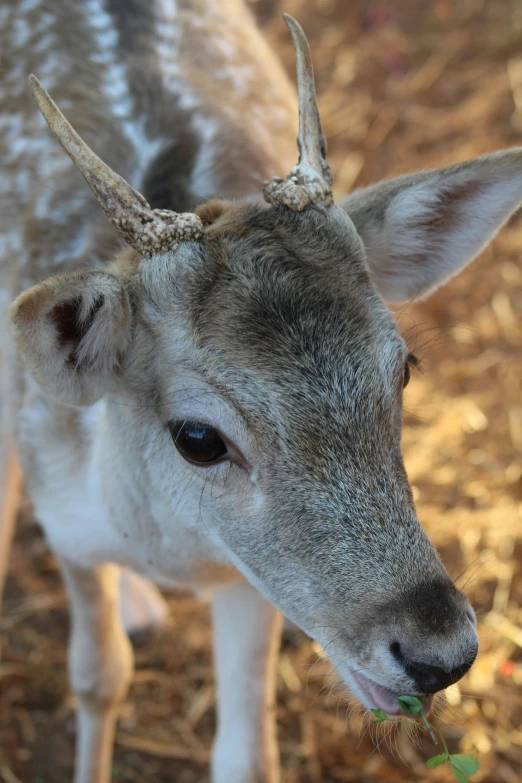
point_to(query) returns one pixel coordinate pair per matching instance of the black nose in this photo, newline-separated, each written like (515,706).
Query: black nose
(429,678)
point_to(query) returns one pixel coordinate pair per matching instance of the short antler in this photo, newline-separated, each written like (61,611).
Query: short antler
(311,180)
(148,231)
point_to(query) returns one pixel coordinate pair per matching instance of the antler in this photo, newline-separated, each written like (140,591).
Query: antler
(147,230)
(311,180)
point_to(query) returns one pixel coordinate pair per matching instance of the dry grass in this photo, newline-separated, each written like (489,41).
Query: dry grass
(402,84)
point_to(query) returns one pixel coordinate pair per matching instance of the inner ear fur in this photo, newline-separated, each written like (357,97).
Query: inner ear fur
(73,332)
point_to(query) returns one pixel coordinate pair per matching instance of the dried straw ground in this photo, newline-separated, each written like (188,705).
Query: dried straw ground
(402,85)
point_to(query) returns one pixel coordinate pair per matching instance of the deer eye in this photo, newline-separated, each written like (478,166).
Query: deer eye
(407,375)
(197,442)
(411,361)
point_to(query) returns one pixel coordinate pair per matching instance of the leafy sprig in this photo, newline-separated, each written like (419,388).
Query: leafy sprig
(461,764)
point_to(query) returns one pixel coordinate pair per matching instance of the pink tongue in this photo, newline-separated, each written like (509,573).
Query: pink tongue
(385,698)
(380,696)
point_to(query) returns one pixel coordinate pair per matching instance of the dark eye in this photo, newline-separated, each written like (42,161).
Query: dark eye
(197,442)
(407,375)
(411,361)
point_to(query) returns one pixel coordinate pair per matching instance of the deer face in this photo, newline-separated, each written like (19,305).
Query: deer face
(277,382)
(264,378)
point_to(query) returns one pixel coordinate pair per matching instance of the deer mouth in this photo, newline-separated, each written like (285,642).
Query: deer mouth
(382,697)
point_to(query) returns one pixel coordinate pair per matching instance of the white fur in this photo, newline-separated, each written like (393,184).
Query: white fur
(247,630)
(20,32)
(141,603)
(25,6)
(168,33)
(84,532)
(106,37)
(201,179)
(116,89)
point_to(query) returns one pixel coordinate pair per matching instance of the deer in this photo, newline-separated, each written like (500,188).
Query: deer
(210,395)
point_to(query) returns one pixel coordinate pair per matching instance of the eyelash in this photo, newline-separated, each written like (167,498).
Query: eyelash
(411,361)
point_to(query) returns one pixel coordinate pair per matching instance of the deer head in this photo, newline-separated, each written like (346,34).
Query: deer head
(262,377)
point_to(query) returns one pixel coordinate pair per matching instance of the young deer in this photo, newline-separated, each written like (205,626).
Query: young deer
(220,405)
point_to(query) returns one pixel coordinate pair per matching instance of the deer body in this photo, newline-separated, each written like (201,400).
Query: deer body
(219,405)
(142,93)
(183,139)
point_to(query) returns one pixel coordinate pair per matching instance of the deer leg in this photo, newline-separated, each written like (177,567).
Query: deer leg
(142,607)
(10,491)
(247,631)
(100,665)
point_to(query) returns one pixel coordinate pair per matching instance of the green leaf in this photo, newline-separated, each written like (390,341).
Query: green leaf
(410,704)
(379,714)
(436,760)
(461,777)
(467,764)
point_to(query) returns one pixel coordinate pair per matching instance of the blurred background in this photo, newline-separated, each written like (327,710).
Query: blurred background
(402,85)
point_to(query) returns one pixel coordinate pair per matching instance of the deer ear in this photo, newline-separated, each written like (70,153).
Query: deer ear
(73,332)
(421,229)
